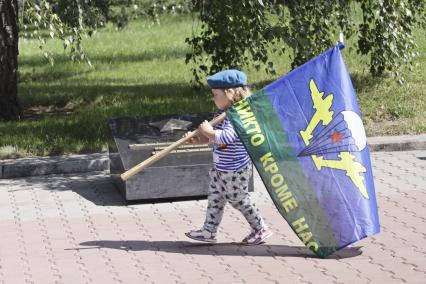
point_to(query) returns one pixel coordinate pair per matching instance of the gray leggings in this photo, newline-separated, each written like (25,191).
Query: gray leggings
(230,187)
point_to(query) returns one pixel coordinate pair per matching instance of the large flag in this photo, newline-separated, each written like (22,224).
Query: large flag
(305,136)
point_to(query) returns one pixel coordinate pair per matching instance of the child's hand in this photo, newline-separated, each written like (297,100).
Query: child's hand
(206,129)
(192,140)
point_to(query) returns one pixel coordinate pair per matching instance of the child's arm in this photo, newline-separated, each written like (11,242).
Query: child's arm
(225,136)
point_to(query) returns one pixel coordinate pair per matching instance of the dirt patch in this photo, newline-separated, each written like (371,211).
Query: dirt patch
(34,112)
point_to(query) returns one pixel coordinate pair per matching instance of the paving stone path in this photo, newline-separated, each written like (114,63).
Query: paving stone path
(77,229)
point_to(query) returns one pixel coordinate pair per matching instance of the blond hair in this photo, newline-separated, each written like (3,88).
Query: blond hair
(237,93)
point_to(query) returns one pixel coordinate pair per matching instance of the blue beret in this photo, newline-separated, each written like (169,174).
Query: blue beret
(227,79)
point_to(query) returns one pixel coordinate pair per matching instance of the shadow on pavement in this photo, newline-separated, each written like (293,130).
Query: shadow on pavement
(95,187)
(234,249)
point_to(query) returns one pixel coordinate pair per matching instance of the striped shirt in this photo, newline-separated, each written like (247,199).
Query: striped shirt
(229,153)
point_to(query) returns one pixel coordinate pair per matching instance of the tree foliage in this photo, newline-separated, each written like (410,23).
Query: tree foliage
(41,16)
(313,26)
(232,35)
(386,33)
(233,31)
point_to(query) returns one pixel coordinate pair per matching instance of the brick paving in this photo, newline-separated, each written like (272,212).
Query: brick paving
(77,229)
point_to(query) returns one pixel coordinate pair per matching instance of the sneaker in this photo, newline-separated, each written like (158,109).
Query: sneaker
(257,237)
(202,235)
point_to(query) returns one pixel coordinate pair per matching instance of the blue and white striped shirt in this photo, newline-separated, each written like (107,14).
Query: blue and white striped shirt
(229,153)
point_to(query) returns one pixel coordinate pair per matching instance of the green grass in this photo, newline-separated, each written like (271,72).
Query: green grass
(141,71)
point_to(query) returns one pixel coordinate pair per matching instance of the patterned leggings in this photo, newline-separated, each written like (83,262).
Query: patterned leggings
(230,187)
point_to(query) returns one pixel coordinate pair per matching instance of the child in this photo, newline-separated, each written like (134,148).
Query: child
(232,165)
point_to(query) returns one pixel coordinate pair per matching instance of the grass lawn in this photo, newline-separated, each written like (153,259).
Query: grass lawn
(141,71)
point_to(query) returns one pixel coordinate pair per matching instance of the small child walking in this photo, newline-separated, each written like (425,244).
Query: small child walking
(232,165)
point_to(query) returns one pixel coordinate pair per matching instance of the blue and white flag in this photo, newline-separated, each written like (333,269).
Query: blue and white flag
(305,136)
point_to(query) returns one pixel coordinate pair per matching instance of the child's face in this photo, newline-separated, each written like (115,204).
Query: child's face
(220,99)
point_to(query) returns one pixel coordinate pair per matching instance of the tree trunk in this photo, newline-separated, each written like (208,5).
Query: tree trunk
(9,104)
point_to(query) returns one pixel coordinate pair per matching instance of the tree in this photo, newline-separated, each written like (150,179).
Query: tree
(40,14)
(9,105)
(231,39)
(307,28)
(66,20)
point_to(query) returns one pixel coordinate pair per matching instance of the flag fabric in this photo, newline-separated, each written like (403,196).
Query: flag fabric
(305,136)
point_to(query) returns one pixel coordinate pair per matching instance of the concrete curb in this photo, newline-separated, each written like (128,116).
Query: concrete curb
(397,143)
(53,165)
(99,161)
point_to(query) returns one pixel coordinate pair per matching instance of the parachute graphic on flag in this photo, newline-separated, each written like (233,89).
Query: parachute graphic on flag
(344,133)
(305,136)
